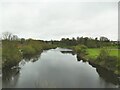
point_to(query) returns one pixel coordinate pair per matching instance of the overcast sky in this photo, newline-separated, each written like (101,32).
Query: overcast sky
(55,19)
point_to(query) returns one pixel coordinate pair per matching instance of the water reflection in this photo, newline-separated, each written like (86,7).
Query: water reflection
(104,74)
(33,58)
(108,76)
(10,77)
(56,69)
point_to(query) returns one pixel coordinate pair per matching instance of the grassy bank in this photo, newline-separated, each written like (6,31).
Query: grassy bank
(105,57)
(94,52)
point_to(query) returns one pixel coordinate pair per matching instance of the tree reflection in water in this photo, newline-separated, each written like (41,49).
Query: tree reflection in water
(104,74)
(11,75)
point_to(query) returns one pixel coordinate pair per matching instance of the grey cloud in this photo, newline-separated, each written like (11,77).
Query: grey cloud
(52,20)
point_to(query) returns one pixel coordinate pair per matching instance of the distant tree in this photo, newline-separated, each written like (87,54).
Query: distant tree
(97,42)
(73,39)
(85,40)
(82,41)
(96,38)
(22,40)
(14,37)
(62,39)
(9,36)
(6,36)
(78,38)
(104,39)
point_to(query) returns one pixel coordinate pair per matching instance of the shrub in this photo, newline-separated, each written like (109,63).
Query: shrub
(81,49)
(118,66)
(10,54)
(107,61)
(28,50)
(104,53)
(14,51)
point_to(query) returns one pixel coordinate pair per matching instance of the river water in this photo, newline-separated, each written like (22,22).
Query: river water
(57,68)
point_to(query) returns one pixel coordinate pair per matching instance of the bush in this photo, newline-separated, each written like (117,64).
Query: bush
(111,62)
(14,51)
(118,46)
(107,61)
(104,53)
(118,66)
(28,50)
(10,54)
(81,49)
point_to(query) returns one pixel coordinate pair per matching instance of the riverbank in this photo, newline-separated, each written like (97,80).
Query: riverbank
(14,51)
(106,58)
(53,67)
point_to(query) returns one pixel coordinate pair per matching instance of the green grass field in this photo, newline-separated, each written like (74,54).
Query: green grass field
(94,52)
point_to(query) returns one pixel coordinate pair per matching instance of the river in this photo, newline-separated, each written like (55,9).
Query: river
(57,68)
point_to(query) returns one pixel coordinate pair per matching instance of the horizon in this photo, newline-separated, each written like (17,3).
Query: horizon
(98,38)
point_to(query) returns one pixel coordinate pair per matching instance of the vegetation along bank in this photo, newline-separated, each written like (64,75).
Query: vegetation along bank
(15,49)
(102,52)
(104,57)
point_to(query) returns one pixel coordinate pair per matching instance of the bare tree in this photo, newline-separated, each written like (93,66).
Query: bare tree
(104,39)
(14,37)
(7,36)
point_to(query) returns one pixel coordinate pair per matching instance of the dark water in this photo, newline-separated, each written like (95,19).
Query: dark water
(58,68)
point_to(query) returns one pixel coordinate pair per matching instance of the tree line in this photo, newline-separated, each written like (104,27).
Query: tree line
(89,42)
